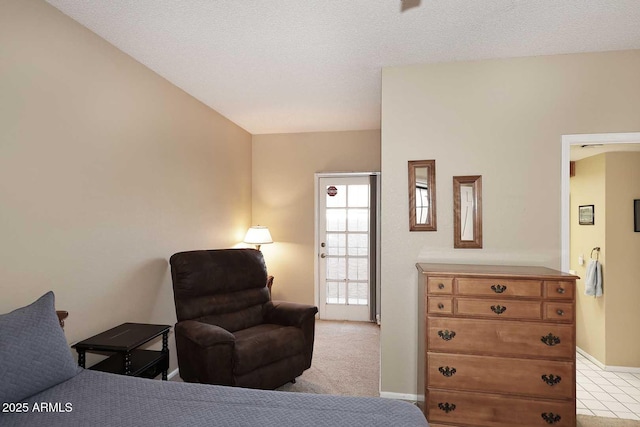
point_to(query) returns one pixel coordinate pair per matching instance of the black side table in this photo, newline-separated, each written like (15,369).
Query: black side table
(127,359)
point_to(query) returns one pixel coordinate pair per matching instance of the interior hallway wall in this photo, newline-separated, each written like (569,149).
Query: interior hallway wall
(588,188)
(623,254)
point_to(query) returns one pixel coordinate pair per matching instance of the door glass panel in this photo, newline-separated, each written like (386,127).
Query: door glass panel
(336,219)
(358,196)
(358,294)
(339,200)
(336,293)
(358,219)
(336,268)
(358,244)
(358,269)
(336,244)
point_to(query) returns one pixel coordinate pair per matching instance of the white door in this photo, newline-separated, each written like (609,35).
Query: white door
(345,258)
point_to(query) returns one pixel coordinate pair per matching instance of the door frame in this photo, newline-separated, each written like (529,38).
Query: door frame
(316,239)
(567,142)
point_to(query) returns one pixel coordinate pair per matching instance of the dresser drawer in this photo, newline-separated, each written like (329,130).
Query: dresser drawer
(439,285)
(541,378)
(503,309)
(461,408)
(560,311)
(559,290)
(440,305)
(504,288)
(500,337)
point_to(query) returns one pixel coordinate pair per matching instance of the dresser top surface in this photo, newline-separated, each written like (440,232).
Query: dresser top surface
(514,271)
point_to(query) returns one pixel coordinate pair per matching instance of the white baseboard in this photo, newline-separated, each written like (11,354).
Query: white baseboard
(610,368)
(173,374)
(629,369)
(591,358)
(399,396)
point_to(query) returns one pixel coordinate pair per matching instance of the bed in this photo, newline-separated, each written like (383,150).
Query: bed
(40,385)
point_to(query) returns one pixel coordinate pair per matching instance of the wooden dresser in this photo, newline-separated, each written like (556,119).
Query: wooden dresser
(496,346)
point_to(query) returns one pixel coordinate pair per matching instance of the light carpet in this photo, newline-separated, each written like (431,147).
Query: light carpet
(346,360)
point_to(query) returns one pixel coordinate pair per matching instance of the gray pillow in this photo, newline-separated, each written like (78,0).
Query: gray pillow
(33,350)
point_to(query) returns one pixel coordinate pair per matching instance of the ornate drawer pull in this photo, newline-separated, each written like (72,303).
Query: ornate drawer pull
(498,289)
(440,285)
(550,417)
(447,371)
(440,305)
(446,335)
(498,309)
(560,313)
(447,407)
(550,340)
(551,379)
(560,290)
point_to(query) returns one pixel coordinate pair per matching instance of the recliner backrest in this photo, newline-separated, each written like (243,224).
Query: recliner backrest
(224,287)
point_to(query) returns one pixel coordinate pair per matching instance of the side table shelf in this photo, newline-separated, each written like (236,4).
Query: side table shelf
(123,341)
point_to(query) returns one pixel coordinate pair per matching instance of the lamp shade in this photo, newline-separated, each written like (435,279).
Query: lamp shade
(258,235)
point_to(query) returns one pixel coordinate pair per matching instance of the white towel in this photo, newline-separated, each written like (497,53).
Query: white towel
(593,279)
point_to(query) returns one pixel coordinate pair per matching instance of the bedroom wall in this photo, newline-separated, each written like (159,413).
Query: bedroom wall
(283,197)
(106,169)
(502,119)
(588,188)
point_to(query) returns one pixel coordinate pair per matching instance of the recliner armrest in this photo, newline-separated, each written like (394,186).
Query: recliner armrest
(288,313)
(203,334)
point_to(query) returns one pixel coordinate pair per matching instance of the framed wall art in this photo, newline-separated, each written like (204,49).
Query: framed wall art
(422,195)
(467,211)
(586,215)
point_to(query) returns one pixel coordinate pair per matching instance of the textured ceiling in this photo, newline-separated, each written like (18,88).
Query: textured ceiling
(276,66)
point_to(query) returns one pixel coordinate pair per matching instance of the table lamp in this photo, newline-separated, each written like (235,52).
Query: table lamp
(258,235)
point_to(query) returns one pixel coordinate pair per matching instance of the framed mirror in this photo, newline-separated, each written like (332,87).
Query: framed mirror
(422,195)
(467,211)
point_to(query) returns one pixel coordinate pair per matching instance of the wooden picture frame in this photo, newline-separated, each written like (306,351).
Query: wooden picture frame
(586,215)
(422,195)
(467,212)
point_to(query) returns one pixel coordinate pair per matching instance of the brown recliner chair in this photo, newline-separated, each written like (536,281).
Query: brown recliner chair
(229,332)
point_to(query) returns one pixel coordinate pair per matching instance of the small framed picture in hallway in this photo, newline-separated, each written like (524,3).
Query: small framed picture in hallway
(586,215)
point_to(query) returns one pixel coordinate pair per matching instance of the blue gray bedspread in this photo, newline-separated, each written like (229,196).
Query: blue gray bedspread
(99,399)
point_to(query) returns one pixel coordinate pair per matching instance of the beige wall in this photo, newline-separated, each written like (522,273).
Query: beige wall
(588,188)
(502,119)
(283,197)
(623,252)
(106,169)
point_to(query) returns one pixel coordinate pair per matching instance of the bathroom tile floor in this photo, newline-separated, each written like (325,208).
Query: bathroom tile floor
(606,393)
